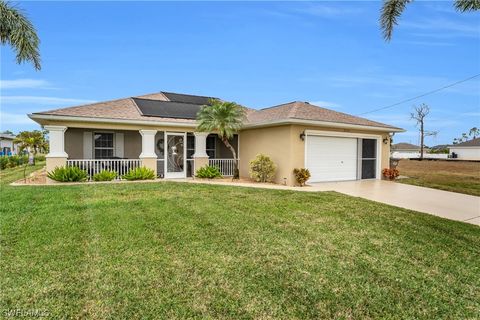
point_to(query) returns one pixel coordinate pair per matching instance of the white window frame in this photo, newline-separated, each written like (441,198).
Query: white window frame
(348,135)
(103,148)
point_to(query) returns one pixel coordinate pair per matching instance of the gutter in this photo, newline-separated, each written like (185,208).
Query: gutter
(329,124)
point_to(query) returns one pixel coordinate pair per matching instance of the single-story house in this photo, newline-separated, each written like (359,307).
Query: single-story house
(404,150)
(7,147)
(468,150)
(159,131)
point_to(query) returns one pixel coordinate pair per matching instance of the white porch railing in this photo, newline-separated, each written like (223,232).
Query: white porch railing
(226,166)
(94,166)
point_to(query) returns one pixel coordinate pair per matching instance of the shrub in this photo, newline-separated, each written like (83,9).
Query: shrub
(301,175)
(67,174)
(390,174)
(105,175)
(140,173)
(40,157)
(262,168)
(17,160)
(208,172)
(3,162)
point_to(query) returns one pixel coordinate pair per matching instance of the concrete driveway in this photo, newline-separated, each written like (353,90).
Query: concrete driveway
(450,205)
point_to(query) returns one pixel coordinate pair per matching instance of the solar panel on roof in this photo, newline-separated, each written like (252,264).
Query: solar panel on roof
(167,109)
(186,98)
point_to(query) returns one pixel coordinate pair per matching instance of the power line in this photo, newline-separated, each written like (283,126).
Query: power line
(421,95)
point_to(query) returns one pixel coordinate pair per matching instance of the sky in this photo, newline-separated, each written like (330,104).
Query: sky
(258,54)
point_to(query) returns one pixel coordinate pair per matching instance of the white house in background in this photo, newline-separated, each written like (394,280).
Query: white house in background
(7,147)
(405,150)
(468,150)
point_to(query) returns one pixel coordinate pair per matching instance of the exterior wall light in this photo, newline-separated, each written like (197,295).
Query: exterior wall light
(386,140)
(302,136)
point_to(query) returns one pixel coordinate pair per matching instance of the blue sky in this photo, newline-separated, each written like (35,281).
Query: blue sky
(255,53)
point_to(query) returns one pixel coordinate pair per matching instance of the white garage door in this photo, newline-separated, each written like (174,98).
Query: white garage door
(331,158)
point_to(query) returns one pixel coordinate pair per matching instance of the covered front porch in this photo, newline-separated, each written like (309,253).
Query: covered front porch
(171,154)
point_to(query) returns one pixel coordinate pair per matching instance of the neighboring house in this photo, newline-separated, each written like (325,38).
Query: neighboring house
(468,150)
(405,150)
(159,131)
(7,147)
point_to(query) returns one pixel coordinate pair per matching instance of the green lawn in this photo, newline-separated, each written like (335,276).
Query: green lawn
(176,250)
(455,176)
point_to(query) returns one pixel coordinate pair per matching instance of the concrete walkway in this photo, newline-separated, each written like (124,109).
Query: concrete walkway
(445,204)
(450,205)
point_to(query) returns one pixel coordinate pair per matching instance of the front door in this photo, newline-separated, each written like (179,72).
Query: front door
(175,153)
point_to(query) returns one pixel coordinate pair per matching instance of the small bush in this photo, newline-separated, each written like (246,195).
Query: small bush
(3,163)
(301,175)
(141,173)
(262,168)
(67,174)
(40,157)
(208,172)
(390,174)
(105,175)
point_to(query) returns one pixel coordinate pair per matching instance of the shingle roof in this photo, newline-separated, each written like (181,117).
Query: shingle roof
(124,109)
(470,143)
(306,111)
(128,109)
(405,146)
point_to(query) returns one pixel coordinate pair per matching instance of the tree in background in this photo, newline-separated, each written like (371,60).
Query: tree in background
(474,132)
(393,9)
(17,31)
(8,132)
(419,114)
(224,118)
(32,141)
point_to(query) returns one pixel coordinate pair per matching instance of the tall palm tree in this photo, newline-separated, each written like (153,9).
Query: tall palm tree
(474,132)
(224,118)
(19,33)
(393,9)
(32,141)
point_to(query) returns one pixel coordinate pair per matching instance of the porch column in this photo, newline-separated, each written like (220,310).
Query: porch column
(148,155)
(200,157)
(56,157)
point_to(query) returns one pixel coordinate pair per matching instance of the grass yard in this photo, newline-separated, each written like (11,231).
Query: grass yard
(176,250)
(456,176)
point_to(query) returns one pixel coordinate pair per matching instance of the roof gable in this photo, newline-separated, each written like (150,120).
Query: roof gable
(306,111)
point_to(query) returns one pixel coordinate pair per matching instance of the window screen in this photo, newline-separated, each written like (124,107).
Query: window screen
(103,145)
(369,161)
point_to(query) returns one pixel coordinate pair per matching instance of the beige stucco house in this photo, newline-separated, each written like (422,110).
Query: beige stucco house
(159,131)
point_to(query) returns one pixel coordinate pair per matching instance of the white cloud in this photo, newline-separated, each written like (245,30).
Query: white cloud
(328,11)
(25,84)
(326,104)
(444,26)
(42,100)
(14,119)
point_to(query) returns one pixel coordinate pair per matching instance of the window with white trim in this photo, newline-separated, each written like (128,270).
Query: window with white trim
(103,145)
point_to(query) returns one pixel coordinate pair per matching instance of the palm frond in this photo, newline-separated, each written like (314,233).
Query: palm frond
(390,12)
(17,31)
(467,5)
(225,118)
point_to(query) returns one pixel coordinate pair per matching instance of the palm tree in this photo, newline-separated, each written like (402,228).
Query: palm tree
(393,9)
(19,33)
(474,132)
(225,118)
(32,141)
